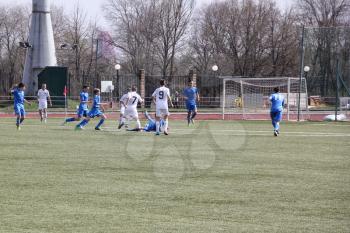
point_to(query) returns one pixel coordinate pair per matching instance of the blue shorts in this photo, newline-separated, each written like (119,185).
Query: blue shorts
(82,113)
(19,110)
(276,116)
(191,107)
(151,125)
(95,113)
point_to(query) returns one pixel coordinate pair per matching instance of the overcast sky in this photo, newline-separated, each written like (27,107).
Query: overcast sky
(93,7)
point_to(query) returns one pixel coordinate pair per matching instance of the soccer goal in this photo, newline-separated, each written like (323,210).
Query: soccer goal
(248,98)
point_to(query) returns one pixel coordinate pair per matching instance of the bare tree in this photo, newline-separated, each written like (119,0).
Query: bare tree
(324,13)
(174,18)
(321,42)
(13,29)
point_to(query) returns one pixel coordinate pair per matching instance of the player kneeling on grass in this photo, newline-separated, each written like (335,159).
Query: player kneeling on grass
(43,96)
(83,106)
(191,96)
(161,96)
(131,107)
(123,102)
(277,103)
(18,94)
(95,112)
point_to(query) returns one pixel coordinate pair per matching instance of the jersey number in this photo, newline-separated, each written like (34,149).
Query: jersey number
(135,98)
(161,95)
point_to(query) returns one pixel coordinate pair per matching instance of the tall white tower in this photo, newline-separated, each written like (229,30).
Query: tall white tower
(42,51)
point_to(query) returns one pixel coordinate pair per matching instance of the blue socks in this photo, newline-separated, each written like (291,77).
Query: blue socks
(85,122)
(194,114)
(275,125)
(70,119)
(82,123)
(100,123)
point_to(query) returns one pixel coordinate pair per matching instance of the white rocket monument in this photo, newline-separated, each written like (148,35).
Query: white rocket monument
(41,52)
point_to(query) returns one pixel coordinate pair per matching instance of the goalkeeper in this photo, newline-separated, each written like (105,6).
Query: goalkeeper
(277,103)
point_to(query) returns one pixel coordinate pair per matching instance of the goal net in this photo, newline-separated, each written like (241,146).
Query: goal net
(248,98)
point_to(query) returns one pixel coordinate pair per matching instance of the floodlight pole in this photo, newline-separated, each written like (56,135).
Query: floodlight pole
(117,67)
(337,90)
(301,68)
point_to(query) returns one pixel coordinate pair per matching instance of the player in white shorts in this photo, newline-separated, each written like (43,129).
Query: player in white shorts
(123,102)
(131,107)
(43,96)
(161,96)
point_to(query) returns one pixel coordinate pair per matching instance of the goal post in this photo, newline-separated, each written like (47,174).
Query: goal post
(248,98)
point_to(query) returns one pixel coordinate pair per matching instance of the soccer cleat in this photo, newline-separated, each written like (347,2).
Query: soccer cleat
(18,127)
(78,128)
(98,129)
(166,133)
(278,132)
(120,125)
(275,133)
(157,133)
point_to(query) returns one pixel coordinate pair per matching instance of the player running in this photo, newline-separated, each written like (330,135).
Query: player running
(131,107)
(83,106)
(191,96)
(18,94)
(123,102)
(277,103)
(161,96)
(43,96)
(94,112)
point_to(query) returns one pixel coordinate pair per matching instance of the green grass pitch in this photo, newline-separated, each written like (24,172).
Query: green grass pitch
(213,177)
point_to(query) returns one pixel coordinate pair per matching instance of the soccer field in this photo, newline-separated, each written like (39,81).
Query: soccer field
(214,177)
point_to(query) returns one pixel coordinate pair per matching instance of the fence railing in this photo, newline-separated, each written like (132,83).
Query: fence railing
(209,104)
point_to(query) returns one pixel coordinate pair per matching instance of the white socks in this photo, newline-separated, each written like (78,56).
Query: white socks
(157,126)
(138,124)
(166,125)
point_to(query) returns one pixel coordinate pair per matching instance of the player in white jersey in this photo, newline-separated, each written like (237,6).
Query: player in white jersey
(161,96)
(43,96)
(131,107)
(123,102)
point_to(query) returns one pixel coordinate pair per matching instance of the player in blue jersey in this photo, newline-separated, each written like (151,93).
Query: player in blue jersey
(95,111)
(83,106)
(277,103)
(191,97)
(151,125)
(19,100)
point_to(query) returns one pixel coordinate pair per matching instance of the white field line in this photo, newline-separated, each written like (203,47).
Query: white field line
(250,133)
(188,131)
(330,124)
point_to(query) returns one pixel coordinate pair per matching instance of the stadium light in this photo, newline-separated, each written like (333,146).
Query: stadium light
(117,67)
(306,69)
(215,68)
